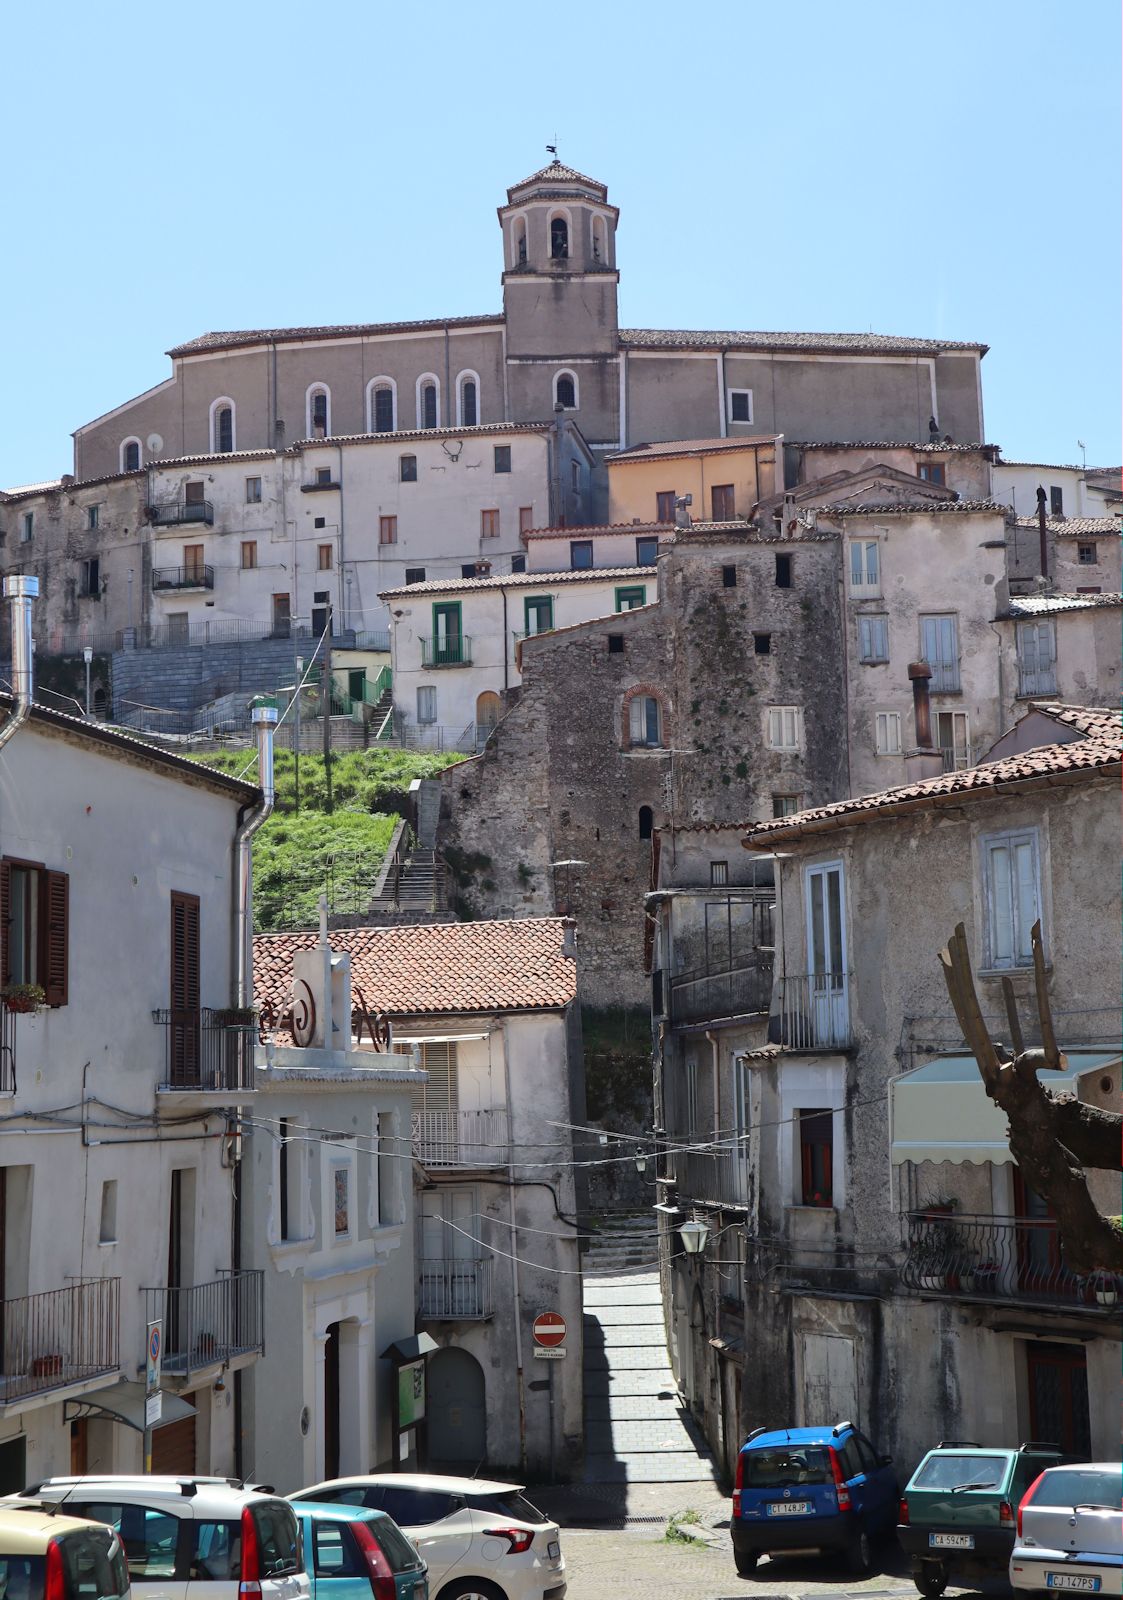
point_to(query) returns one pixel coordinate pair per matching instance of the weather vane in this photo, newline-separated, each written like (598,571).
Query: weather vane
(552,149)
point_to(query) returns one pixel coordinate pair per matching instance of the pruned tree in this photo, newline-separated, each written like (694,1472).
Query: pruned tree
(1053,1138)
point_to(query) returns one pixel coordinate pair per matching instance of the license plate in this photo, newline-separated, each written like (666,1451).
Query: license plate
(789,1508)
(553,1550)
(951,1541)
(1072,1580)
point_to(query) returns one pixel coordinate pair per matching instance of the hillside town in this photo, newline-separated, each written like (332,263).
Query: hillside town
(486,808)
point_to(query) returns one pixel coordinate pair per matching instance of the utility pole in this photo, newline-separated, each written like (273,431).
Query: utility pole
(326,708)
(296,724)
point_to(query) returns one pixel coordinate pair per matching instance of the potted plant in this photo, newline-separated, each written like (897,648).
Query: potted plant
(46,1366)
(985,1275)
(23,997)
(931,1266)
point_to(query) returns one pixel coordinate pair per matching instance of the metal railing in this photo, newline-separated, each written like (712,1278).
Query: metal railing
(7,1051)
(814,1011)
(61,1337)
(998,1258)
(719,1175)
(206,1323)
(194,577)
(454,1291)
(739,991)
(448,652)
(460,1138)
(207,1049)
(170,512)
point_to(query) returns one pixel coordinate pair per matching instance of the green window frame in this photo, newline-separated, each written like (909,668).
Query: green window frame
(539,605)
(631,596)
(448,633)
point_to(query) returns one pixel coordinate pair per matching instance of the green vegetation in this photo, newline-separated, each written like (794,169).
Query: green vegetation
(299,855)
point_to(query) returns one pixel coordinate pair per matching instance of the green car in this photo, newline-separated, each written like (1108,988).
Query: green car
(959,1509)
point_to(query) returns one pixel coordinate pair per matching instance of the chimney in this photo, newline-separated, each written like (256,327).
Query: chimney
(21,591)
(264,718)
(569,938)
(1042,516)
(925,761)
(683,502)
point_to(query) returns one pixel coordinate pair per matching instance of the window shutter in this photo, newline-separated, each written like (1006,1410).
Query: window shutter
(637,729)
(5,919)
(56,937)
(184,988)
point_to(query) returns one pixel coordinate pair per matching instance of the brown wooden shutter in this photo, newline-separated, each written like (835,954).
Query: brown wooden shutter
(56,936)
(185,988)
(5,920)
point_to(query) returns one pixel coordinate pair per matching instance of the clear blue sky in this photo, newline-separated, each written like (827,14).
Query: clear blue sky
(943,170)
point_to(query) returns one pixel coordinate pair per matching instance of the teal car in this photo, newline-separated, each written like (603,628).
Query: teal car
(355,1554)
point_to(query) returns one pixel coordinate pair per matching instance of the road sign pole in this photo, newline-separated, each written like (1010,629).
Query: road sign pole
(550,1393)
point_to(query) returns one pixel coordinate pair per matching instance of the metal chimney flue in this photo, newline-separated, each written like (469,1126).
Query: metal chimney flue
(21,591)
(1043,531)
(264,719)
(919,674)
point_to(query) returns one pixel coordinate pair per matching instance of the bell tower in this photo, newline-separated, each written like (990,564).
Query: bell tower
(559,266)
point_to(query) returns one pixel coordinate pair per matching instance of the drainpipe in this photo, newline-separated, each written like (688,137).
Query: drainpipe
(21,591)
(264,722)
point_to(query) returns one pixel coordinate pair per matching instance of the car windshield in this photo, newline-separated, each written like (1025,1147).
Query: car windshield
(1079,1486)
(398,1550)
(515,1506)
(959,1472)
(789,1467)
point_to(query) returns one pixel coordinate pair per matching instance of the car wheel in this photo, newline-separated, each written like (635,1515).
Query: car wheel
(745,1561)
(858,1555)
(931,1580)
(471,1589)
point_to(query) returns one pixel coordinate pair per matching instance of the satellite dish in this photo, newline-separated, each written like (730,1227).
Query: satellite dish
(155,444)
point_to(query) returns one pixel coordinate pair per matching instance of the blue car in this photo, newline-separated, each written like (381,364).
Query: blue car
(356,1554)
(811,1490)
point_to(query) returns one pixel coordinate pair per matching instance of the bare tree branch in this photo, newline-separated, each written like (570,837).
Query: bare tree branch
(1012,1017)
(1048,1037)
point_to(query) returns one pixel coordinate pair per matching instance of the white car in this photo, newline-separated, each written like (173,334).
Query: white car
(482,1541)
(1070,1531)
(187,1538)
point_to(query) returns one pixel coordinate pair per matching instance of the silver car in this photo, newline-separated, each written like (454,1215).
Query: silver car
(1070,1531)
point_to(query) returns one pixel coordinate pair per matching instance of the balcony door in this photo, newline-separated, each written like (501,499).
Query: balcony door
(447,633)
(450,1250)
(828,1001)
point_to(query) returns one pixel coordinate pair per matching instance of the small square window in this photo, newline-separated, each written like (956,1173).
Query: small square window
(502,458)
(489,524)
(407,469)
(580,554)
(785,805)
(518,563)
(785,727)
(762,644)
(631,597)
(249,555)
(783,571)
(729,577)
(415,574)
(319,522)
(324,557)
(887,733)
(93,518)
(253,491)
(387,530)
(931,472)
(719,874)
(467,569)
(616,644)
(740,405)
(647,551)
(1086,555)
(323,475)
(665,505)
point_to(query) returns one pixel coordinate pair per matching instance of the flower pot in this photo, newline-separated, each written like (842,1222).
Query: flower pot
(20,1004)
(46,1366)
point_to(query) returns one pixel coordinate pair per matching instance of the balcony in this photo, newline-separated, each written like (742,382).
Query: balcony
(455,1291)
(814,1012)
(172,512)
(698,997)
(58,1339)
(460,1138)
(1013,1259)
(453,652)
(719,1176)
(207,1051)
(209,1323)
(168,578)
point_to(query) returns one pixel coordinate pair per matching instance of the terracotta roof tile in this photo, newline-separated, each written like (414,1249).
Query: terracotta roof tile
(1096,721)
(1103,751)
(449,967)
(599,527)
(556,172)
(860,343)
(519,580)
(1073,527)
(926,448)
(888,508)
(1047,605)
(232,338)
(663,448)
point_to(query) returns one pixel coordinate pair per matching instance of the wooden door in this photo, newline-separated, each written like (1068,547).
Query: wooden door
(1058,1397)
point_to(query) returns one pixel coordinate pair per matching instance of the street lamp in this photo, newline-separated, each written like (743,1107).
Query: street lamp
(87,657)
(694,1235)
(641,1162)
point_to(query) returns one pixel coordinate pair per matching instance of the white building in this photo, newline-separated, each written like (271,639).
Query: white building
(1070,491)
(456,646)
(116,894)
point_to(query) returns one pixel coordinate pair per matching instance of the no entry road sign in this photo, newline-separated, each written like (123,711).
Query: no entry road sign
(549,1329)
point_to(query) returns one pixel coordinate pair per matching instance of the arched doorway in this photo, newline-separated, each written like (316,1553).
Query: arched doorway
(488,707)
(457,1416)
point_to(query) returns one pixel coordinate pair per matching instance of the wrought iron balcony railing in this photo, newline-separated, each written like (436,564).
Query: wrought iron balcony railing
(207,1049)
(719,1175)
(61,1337)
(814,1012)
(999,1258)
(738,991)
(194,577)
(455,1291)
(170,512)
(449,652)
(460,1138)
(206,1323)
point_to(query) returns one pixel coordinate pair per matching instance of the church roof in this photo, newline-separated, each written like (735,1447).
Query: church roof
(557,172)
(689,339)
